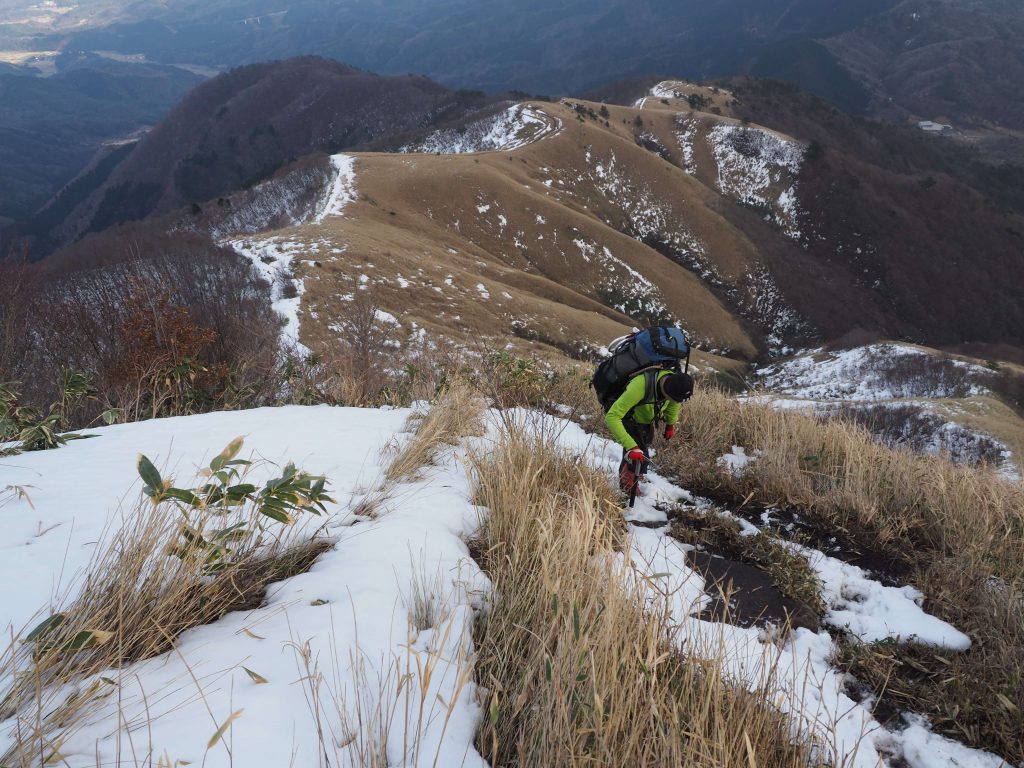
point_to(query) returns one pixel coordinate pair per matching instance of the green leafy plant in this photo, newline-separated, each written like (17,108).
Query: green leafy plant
(28,427)
(281,499)
(75,387)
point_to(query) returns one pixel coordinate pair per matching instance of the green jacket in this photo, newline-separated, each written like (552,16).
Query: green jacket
(644,414)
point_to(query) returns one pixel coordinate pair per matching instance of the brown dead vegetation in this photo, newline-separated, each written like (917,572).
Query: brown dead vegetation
(958,530)
(578,673)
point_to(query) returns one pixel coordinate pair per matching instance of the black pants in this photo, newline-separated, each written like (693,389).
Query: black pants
(644,436)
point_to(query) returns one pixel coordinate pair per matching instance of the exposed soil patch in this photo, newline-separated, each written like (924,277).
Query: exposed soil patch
(752,580)
(745,595)
(846,544)
(883,710)
(792,525)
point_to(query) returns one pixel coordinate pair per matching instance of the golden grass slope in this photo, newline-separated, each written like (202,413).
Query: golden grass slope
(550,242)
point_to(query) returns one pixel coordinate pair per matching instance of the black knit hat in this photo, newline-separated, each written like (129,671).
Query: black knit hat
(677,386)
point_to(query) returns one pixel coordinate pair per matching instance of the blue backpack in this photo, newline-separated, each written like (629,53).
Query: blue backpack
(653,349)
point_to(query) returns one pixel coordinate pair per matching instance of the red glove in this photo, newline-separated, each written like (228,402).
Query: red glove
(670,431)
(636,454)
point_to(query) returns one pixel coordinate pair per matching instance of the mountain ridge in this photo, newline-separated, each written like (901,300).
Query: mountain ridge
(240,127)
(782,240)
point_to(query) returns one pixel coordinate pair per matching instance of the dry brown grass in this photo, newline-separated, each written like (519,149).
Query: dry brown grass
(456,413)
(135,600)
(960,530)
(976,697)
(838,472)
(578,672)
(356,723)
(412,221)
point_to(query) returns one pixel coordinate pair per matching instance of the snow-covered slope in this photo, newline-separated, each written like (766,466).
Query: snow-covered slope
(907,395)
(758,168)
(350,617)
(510,129)
(273,257)
(871,373)
(353,609)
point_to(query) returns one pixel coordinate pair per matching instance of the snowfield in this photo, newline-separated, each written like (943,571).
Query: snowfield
(351,616)
(352,608)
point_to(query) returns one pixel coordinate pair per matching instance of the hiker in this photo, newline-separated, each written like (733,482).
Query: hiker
(640,385)
(651,398)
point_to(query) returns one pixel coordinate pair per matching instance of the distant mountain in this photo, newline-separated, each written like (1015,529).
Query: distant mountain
(956,60)
(894,57)
(922,240)
(51,127)
(757,215)
(240,127)
(961,60)
(534,45)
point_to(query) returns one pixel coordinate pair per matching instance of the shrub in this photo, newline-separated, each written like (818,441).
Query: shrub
(698,101)
(156,336)
(28,427)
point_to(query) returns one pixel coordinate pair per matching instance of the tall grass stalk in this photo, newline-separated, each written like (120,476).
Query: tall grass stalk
(579,672)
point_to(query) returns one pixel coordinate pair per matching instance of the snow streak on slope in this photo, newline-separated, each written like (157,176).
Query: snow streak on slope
(342,190)
(752,165)
(513,128)
(686,134)
(273,258)
(653,221)
(623,287)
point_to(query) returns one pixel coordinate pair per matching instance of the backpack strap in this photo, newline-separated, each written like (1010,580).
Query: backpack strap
(651,376)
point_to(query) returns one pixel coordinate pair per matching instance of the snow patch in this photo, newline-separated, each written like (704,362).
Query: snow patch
(751,163)
(860,374)
(870,611)
(514,128)
(273,259)
(736,461)
(342,190)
